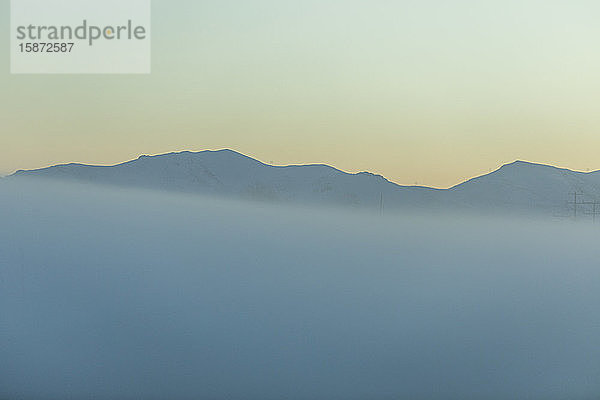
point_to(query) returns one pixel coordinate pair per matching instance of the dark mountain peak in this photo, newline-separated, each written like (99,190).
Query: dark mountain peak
(377,177)
(526,168)
(520,164)
(515,172)
(221,157)
(367,173)
(527,165)
(203,153)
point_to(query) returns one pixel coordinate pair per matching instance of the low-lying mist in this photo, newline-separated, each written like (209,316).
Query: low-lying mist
(115,294)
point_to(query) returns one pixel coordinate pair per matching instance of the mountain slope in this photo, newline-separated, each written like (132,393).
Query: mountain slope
(528,186)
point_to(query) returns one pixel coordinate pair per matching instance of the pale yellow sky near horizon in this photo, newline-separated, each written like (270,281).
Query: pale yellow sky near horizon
(430,92)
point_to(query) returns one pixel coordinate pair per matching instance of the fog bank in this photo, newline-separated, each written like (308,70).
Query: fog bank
(115,294)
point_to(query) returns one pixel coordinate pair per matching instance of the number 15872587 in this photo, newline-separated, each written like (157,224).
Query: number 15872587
(46,47)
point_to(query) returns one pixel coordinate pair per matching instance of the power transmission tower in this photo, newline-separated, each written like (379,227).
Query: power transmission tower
(575,203)
(595,209)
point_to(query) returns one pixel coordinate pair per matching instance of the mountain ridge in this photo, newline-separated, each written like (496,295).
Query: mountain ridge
(519,185)
(517,162)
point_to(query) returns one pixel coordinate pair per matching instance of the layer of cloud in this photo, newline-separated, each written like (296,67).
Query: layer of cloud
(110,294)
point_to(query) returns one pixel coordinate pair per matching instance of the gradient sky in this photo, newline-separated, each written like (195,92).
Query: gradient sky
(427,91)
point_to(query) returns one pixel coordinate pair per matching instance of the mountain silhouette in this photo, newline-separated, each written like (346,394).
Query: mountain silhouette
(519,186)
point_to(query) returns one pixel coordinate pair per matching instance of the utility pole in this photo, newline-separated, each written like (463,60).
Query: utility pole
(22,272)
